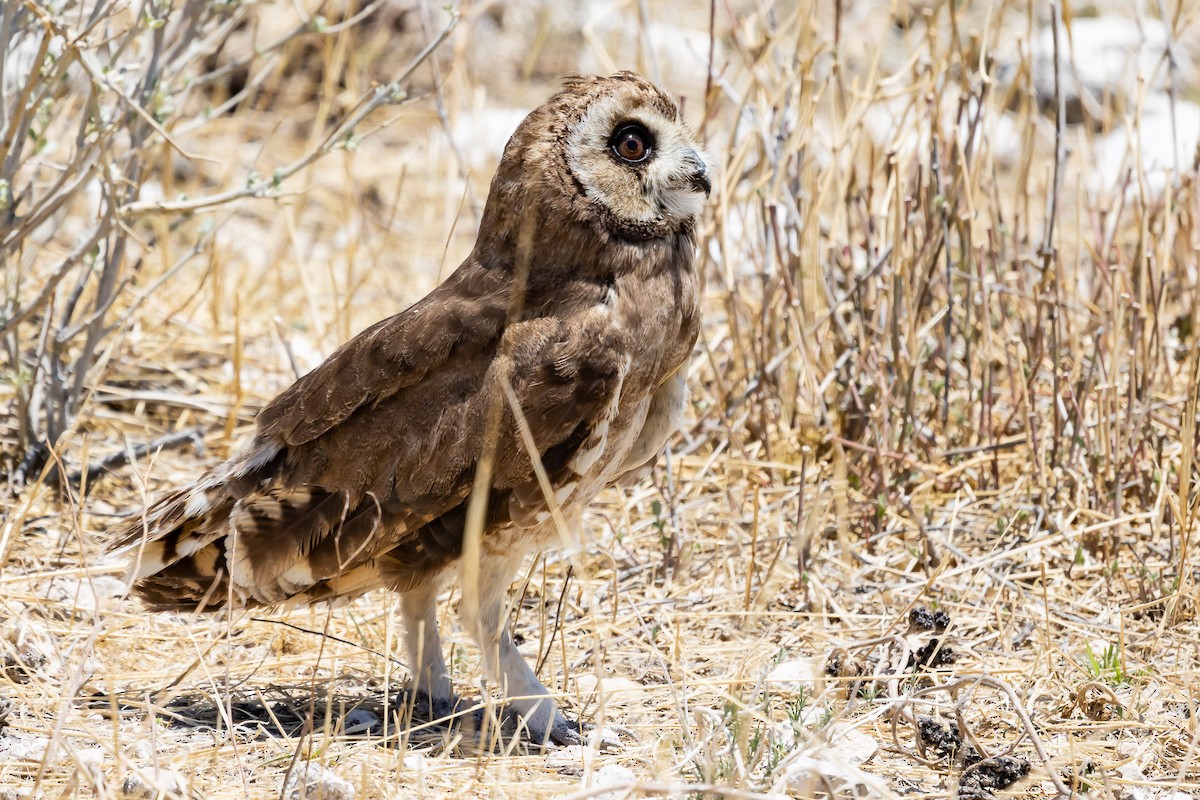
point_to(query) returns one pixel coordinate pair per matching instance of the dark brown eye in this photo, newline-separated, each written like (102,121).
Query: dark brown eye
(632,143)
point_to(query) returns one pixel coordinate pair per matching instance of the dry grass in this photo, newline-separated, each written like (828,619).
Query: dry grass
(932,377)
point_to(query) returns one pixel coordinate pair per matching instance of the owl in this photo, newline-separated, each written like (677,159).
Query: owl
(450,441)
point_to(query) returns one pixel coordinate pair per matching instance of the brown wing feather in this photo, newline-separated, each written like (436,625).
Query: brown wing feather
(467,311)
(374,453)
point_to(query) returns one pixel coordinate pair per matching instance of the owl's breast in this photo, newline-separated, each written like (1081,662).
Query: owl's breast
(650,325)
(659,320)
(655,320)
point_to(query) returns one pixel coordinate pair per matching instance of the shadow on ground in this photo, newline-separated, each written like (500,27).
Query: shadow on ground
(344,708)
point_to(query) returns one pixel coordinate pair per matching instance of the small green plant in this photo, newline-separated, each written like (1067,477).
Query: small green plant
(748,744)
(458,659)
(869,691)
(1108,666)
(795,709)
(660,523)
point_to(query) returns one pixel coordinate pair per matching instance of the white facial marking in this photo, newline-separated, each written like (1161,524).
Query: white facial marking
(659,189)
(683,204)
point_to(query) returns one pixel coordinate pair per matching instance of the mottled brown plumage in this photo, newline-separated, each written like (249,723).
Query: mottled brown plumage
(580,294)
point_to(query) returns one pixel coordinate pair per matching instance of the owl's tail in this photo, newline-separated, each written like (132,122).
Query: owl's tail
(176,547)
(233,538)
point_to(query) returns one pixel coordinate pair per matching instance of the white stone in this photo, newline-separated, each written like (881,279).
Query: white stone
(615,775)
(853,746)
(90,756)
(309,781)
(569,757)
(91,594)
(806,776)
(21,746)
(141,750)
(798,675)
(156,784)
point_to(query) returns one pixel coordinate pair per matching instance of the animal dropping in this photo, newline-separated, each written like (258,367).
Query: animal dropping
(561,341)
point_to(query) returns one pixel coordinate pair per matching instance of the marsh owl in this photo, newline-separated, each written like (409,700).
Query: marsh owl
(483,418)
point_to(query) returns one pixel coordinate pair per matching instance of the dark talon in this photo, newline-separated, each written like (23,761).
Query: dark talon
(427,709)
(565,733)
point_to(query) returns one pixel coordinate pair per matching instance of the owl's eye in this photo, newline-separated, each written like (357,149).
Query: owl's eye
(632,143)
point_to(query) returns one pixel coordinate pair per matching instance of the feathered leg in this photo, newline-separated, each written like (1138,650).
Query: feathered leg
(430,677)
(505,665)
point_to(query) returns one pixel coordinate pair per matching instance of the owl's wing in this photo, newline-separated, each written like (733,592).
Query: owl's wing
(375,452)
(462,317)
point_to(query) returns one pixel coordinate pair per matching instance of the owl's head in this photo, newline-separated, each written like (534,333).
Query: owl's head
(609,152)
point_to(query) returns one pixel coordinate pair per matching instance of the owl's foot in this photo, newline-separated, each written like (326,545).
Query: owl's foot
(561,732)
(427,708)
(564,732)
(567,732)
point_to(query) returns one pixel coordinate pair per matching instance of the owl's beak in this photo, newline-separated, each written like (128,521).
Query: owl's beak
(699,180)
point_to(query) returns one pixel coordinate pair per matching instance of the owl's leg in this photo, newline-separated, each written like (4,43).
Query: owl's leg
(430,678)
(505,665)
